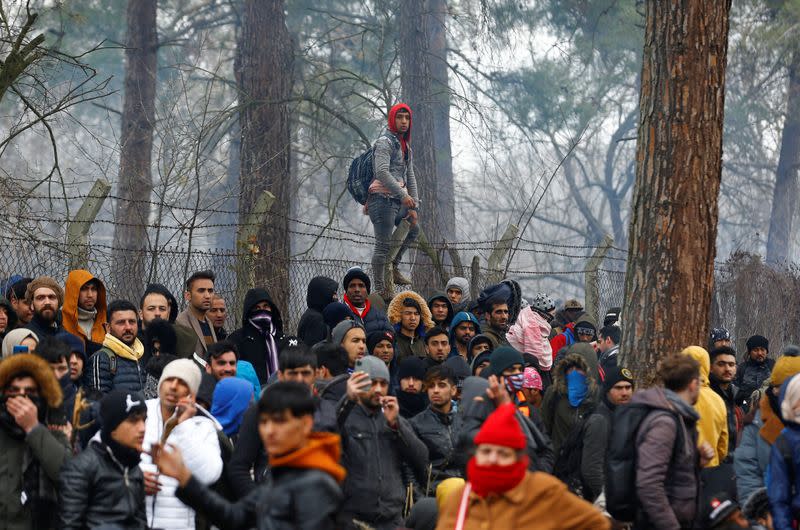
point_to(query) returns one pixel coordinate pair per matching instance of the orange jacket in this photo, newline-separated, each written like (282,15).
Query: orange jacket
(69,312)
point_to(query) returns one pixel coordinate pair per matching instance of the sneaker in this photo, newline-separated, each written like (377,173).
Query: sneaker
(398,277)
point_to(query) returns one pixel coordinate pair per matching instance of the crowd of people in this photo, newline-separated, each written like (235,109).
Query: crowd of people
(442,413)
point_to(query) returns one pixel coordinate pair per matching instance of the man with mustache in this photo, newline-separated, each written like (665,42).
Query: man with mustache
(116,364)
(45,297)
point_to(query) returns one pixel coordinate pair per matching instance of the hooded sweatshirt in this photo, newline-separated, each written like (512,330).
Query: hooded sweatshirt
(462,316)
(87,325)
(449,318)
(312,329)
(257,346)
(712,427)
(462,285)
(393,161)
(530,334)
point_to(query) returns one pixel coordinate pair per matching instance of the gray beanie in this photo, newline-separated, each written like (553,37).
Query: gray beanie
(341,329)
(374,367)
(184,369)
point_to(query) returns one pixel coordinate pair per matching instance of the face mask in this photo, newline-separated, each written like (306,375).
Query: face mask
(577,388)
(261,314)
(514,382)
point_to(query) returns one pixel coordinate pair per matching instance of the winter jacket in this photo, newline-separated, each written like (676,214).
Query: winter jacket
(609,359)
(450,313)
(249,340)
(329,393)
(752,455)
(188,321)
(565,338)
(312,328)
(782,479)
(301,493)
(667,486)
(248,464)
(558,415)
(393,170)
(95,490)
(10,315)
(539,501)
(750,376)
(462,316)
(372,318)
(733,412)
(439,432)
(199,445)
(105,374)
(713,424)
(70,318)
(373,454)
(42,328)
(406,346)
(529,334)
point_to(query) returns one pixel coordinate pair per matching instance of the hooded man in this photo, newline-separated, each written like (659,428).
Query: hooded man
(411,318)
(32,453)
(157,302)
(84,310)
(45,298)
(457,290)
(8,318)
(321,291)
(302,489)
(193,433)
(441,310)
(15,294)
(261,332)
(357,286)
(103,487)
(463,328)
(116,364)
(393,194)
(712,427)
(755,369)
(502,493)
(410,394)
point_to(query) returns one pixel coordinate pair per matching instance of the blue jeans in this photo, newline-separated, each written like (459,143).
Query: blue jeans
(385,214)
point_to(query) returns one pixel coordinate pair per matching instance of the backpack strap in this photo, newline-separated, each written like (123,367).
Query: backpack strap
(112,361)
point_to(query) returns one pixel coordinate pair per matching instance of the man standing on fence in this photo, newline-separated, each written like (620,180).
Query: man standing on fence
(199,294)
(393,194)
(84,311)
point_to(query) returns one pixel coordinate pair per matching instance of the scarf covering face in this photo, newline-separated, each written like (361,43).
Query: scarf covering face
(494,479)
(577,388)
(514,382)
(262,320)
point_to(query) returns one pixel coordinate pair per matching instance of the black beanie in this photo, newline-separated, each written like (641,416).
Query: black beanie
(376,336)
(353,273)
(615,375)
(411,367)
(116,407)
(504,357)
(484,356)
(757,341)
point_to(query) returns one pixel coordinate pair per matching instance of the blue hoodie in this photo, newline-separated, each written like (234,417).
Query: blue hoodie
(463,316)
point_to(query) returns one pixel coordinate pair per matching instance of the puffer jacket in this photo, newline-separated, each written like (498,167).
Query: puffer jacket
(372,318)
(248,339)
(374,454)
(752,456)
(199,445)
(302,493)
(713,424)
(127,375)
(96,490)
(529,334)
(668,487)
(558,415)
(392,169)
(750,376)
(312,328)
(439,432)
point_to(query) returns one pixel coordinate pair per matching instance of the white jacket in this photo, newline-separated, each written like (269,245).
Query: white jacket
(197,440)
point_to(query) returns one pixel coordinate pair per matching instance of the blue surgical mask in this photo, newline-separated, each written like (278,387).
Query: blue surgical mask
(514,382)
(577,388)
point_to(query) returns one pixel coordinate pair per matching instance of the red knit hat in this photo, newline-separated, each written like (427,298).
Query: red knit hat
(502,428)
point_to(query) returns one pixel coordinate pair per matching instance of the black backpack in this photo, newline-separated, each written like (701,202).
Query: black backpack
(622,501)
(360,176)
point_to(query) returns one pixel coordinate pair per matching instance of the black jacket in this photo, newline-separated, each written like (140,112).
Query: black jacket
(312,328)
(248,454)
(96,490)
(42,328)
(439,432)
(374,454)
(292,498)
(750,375)
(249,341)
(729,397)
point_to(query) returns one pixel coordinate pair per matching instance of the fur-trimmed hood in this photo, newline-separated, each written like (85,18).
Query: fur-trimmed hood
(573,360)
(396,309)
(39,369)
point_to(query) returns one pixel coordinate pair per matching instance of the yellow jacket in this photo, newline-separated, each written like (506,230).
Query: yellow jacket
(713,424)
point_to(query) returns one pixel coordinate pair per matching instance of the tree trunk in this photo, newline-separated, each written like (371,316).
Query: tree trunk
(135,182)
(265,58)
(437,38)
(670,274)
(784,197)
(415,77)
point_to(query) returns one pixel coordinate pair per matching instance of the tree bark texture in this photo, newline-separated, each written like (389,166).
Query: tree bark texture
(670,271)
(784,197)
(416,80)
(265,77)
(135,181)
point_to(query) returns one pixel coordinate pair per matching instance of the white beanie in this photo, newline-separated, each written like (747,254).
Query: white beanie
(185,370)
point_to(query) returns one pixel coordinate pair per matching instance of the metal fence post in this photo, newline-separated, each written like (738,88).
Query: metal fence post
(592,291)
(78,228)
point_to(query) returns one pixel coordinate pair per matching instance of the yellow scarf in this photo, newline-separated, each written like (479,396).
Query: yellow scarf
(122,350)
